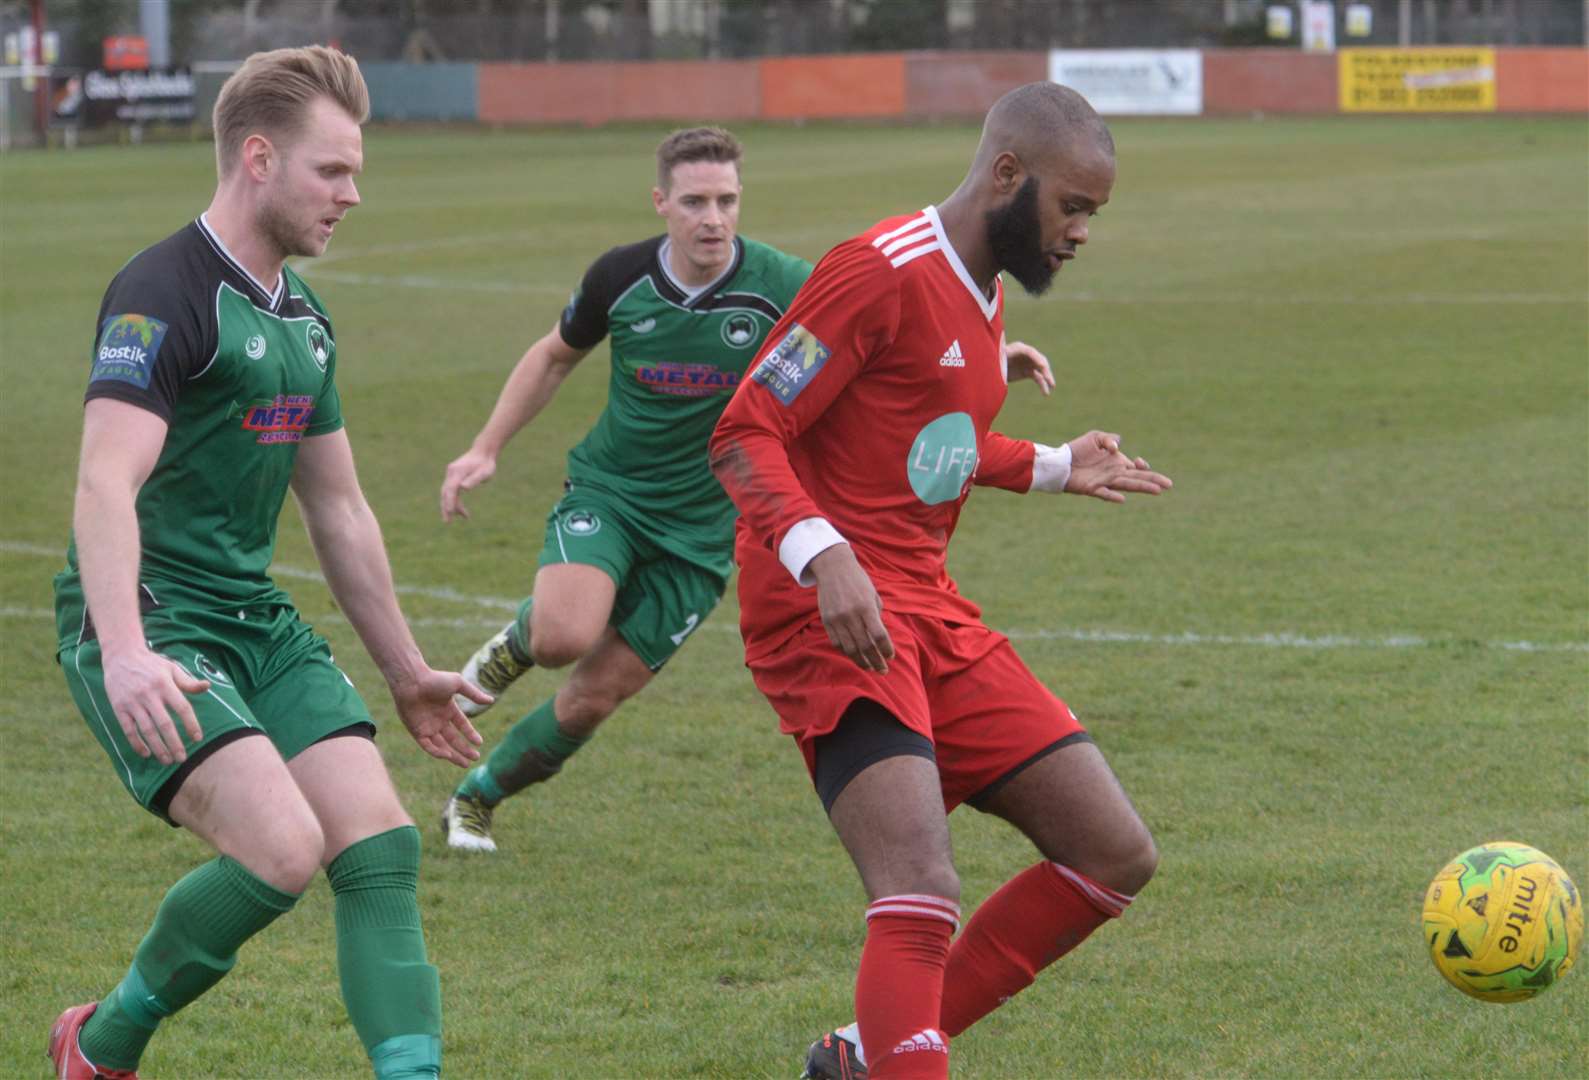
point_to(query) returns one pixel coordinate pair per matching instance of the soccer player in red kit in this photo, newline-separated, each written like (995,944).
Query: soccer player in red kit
(850,451)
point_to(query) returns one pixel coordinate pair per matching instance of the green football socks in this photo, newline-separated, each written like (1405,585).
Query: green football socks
(519,635)
(533,750)
(393,995)
(197,931)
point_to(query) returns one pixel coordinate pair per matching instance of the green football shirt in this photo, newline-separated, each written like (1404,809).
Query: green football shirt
(241,375)
(677,357)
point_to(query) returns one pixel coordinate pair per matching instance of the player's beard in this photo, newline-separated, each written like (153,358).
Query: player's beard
(276,222)
(1015,238)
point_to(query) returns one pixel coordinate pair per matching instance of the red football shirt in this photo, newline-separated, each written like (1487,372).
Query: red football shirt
(867,419)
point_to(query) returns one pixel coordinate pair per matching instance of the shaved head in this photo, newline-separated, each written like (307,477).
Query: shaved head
(1038,120)
(1045,164)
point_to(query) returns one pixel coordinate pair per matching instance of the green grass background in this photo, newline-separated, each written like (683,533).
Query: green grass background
(1358,346)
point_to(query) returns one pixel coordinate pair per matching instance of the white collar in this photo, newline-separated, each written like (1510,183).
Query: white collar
(690,291)
(274,295)
(989,306)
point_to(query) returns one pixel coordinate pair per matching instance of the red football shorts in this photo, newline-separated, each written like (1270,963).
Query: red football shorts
(959,684)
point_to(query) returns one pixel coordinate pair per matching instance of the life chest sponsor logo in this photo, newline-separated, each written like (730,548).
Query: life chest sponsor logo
(739,331)
(319,342)
(687,380)
(943,458)
(128,345)
(791,364)
(283,419)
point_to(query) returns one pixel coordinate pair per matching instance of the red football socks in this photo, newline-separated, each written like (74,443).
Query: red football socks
(1035,918)
(899,990)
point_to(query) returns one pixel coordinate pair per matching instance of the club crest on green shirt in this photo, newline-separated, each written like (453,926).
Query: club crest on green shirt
(319,343)
(739,331)
(582,523)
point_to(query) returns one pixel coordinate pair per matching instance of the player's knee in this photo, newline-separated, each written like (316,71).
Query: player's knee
(580,707)
(289,863)
(1134,864)
(1123,860)
(923,876)
(559,646)
(287,855)
(942,881)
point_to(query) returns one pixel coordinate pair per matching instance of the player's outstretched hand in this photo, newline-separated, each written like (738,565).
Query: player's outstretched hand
(146,690)
(1024,362)
(1099,469)
(467,471)
(852,612)
(440,728)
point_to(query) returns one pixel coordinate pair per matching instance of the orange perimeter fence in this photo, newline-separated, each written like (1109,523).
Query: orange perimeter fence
(963,84)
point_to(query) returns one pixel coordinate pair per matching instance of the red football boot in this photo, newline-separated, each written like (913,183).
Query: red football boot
(70,1064)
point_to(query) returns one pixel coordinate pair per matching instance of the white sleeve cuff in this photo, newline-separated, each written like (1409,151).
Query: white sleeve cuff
(1051,468)
(805,540)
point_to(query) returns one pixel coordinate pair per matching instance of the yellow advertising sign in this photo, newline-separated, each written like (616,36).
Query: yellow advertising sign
(1417,80)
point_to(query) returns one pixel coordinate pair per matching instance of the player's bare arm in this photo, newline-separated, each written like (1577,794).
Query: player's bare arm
(531,385)
(1098,468)
(347,541)
(121,444)
(852,612)
(1024,362)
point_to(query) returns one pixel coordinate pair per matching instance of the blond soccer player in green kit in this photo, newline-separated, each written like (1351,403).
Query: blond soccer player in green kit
(640,548)
(211,391)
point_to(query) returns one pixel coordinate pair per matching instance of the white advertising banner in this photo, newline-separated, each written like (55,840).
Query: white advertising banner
(1132,81)
(1359,20)
(1318,26)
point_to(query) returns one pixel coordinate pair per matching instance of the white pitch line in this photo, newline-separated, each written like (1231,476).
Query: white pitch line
(468,622)
(431,283)
(22,547)
(316,269)
(1376,300)
(435,592)
(1287,640)
(501,603)
(1282,640)
(26,613)
(306,267)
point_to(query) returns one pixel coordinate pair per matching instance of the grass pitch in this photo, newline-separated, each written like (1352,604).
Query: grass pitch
(1351,643)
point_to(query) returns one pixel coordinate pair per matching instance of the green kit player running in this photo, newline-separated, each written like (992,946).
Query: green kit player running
(212,390)
(640,548)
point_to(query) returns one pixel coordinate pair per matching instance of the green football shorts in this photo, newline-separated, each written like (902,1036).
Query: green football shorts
(661,597)
(268,672)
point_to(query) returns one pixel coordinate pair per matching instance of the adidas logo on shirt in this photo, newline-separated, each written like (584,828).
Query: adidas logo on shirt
(952,356)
